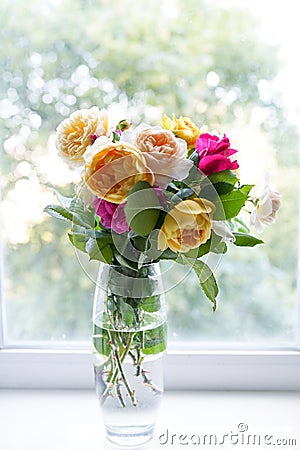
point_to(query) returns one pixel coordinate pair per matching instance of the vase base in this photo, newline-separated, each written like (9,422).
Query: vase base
(129,436)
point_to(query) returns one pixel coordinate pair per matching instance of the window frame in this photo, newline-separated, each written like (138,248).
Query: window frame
(1,299)
(200,370)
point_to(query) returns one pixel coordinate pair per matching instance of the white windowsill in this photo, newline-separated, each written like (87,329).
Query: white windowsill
(210,370)
(71,420)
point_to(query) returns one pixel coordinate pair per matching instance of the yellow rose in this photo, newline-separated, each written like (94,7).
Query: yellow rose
(73,135)
(112,169)
(186,226)
(183,128)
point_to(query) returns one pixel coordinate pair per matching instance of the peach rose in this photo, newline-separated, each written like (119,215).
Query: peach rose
(183,128)
(156,139)
(73,135)
(112,169)
(164,153)
(187,225)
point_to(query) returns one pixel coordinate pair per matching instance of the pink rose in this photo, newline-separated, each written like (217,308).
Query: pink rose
(112,215)
(214,153)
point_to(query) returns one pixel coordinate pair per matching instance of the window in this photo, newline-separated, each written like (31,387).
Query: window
(224,65)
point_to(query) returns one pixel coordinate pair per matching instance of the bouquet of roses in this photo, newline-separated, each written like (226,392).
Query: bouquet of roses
(149,193)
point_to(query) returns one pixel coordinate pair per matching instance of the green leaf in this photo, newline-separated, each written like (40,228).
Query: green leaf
(151,304)
(125,250)
(195,158)
(155,349)
(86,214)
(81,237)
(226,176)
(230,204)
(79,240)
(246,188)
(127,312)
(103,240)
(182,194)
(193,253)
(168,254)
(101,341)
(140,243)
(246,240)
(105,236)
(155,340)
(223,188)
(218,247)
(59,212)
(151,250)
(125,262)
(116,136)
(100,250)
(142,209)
(107,253)
(207,281)
(224,182)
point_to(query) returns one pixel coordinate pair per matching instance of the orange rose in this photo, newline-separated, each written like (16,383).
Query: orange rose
(112,169)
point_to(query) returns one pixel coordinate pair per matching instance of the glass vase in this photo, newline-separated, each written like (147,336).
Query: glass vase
(129,320)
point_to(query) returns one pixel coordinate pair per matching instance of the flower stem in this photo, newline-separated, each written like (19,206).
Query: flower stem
(130,391)
(149,382)
(120,358)
(119,394)
(141,371)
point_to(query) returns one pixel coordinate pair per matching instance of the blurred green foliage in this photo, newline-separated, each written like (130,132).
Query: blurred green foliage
(191,58)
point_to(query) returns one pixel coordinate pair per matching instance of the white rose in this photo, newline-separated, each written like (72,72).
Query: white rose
(221,228)
(266,208)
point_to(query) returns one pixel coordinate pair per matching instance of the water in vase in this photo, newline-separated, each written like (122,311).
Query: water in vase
(129,381)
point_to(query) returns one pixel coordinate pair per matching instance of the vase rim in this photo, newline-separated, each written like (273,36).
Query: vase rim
(132,268)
